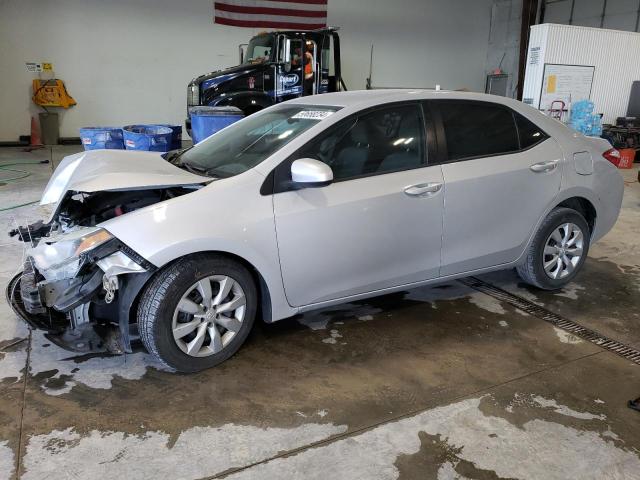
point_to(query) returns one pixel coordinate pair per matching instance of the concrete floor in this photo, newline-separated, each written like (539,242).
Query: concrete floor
(444,383)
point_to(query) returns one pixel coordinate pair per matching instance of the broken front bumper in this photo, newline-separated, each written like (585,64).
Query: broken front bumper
(48,320)
(24,297)
(74,312)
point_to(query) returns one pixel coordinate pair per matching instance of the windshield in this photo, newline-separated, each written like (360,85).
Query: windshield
(244,145)
(259,49)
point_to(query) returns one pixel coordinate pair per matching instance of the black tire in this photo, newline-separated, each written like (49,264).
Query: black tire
(160,299)
(532,270)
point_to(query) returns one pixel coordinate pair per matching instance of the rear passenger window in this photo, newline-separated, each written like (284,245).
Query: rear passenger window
(476,129)
(386,140)
(529,132)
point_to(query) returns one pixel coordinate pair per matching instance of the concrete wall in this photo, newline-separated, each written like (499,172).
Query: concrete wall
(130,61)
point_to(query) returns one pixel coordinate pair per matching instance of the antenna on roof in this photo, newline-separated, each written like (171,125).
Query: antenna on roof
(368,84)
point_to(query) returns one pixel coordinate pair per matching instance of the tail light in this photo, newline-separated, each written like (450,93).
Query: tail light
(612,155)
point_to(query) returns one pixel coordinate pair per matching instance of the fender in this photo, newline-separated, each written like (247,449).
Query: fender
(557,200)
(162,233)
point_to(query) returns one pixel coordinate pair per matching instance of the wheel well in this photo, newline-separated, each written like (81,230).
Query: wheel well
(264,302)
(584,207)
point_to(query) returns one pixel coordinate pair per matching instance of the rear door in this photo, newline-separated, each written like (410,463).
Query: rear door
(500,171)
(378,225)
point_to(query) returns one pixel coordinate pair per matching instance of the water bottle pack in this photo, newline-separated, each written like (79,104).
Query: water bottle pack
(583,120)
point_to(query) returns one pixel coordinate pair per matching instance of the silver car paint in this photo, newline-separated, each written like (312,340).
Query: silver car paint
(489,222)
(227,216)
(232,216)
(373,235)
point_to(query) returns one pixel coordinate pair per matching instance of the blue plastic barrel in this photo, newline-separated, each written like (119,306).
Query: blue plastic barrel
(94,138)
(205,121)
(176,136)
(155,138)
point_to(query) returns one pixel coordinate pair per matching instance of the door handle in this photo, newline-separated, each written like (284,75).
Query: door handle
(544,166)
(423,189)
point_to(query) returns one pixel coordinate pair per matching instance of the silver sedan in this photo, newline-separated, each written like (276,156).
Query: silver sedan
(310,203)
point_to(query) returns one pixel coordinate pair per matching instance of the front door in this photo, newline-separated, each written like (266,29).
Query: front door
(290,79)
(378,225)
(501,173)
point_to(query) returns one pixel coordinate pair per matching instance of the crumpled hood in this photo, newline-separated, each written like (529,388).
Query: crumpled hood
(97,170)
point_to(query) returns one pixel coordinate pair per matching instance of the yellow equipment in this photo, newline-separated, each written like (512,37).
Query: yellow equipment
(51,93)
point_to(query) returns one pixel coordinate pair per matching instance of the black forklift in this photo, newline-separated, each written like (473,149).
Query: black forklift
(271,70)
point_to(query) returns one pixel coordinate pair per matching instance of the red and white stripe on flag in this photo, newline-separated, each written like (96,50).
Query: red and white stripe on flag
(284,14)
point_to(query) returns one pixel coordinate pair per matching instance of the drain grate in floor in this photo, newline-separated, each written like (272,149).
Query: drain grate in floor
(572,327)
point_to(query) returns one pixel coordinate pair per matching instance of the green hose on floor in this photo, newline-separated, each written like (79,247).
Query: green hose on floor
(21,174)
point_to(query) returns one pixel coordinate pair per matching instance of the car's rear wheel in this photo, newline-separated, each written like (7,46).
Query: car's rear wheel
(558,250)
(197,312)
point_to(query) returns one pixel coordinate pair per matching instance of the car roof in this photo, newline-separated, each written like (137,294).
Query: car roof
(364,98)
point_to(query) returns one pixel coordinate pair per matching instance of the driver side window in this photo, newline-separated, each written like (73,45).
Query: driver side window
(386,140)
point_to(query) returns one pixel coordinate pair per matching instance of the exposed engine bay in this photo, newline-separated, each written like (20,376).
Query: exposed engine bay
(89,209)
(79,282)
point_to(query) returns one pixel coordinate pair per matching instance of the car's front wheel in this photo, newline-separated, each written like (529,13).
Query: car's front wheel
(197,312)
(558,250)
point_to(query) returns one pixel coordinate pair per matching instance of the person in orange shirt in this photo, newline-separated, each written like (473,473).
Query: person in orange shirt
(309,69)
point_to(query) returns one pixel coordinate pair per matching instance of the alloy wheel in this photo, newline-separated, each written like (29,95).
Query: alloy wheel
(209,315)
(563,250)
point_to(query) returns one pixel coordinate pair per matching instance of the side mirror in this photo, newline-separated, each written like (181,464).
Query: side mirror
(287,55)
(308,172)
(241,49)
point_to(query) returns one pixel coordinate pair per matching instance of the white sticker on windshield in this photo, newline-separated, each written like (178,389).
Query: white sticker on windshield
(313,114)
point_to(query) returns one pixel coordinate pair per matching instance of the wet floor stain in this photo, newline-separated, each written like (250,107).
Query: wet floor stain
(6,459)
(333,338)
(436,458)
(466,441)
(59,371)
(197,452)
(566,337)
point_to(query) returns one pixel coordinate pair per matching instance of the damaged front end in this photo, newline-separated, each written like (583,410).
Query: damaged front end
(79,287)
(79,282)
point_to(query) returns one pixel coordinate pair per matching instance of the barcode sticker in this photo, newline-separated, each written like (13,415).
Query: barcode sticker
(313,114)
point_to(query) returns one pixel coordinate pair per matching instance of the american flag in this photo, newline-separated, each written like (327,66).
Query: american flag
(285,14)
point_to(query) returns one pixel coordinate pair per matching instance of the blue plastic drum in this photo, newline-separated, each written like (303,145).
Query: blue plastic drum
(95,138)
(176,137)
(154,138)
(205,121)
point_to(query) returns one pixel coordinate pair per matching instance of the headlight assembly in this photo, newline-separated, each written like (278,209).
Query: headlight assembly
(92,240)
(60,257)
